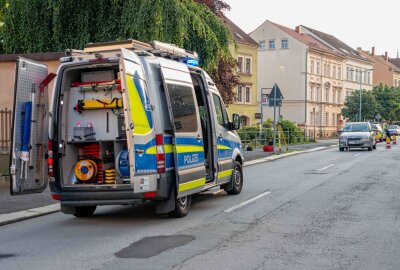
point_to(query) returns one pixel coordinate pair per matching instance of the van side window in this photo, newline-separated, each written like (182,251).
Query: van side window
(183,107)
(222,116)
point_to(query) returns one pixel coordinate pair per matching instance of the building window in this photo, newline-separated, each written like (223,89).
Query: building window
(334,72)
(334,96)
(357,72)
(239,94)
(325,69)
(312,92)
(312,66)
(311,118)
(317,93)
(248,65)
(271,44)
(243,120)
(240,64)
(339,73)
(334,119)
(318,68)
(339,96)
(327,95)
(261,45)
(328,70)
(369,77)
(326,119)
(285,44)
(247,94)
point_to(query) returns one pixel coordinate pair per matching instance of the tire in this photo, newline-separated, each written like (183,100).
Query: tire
(84,211)
(370,148)
(237,179)
(374,147)
(182,207)
(341,149)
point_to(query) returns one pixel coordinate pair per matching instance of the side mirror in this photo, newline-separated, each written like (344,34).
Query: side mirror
(235,122)
(339,132)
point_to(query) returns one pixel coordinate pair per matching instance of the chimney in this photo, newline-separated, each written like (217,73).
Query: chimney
(373,51)
(386,56)
(359,48)
(298,29)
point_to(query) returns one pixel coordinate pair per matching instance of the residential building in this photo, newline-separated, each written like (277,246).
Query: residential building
(246,53)
(357,72)
(396,62)
(385,72)
(308,72)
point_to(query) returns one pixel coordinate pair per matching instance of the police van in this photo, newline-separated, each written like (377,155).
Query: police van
(127,122)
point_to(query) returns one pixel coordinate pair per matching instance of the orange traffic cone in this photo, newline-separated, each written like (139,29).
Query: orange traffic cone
(388,146)
(394,139)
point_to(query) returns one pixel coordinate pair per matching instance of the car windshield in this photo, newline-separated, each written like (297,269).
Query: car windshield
(358,127)
(393,127)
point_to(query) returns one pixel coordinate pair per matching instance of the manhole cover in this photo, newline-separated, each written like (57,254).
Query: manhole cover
(152,246)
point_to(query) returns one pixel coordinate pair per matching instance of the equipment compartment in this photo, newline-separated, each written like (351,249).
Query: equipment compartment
(91,104)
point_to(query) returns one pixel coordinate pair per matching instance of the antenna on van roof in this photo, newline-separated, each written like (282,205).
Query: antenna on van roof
(155,47)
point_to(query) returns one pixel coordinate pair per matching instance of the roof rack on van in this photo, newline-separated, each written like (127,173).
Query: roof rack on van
(155,47)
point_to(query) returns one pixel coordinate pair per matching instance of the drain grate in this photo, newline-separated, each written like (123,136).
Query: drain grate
(152,246)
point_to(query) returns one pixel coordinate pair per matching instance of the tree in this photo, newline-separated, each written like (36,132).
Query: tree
(217,6)
(388,99)
(369,107)
(72,24)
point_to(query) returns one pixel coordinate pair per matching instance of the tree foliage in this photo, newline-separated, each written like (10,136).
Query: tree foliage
(369,106)
(54,25)
(382,100)
(217,6)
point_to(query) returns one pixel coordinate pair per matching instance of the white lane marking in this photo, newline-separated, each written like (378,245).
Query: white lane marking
(326,167)
(246,202)
(219,191)
(356,155)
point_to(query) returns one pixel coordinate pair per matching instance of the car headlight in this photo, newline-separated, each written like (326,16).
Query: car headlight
(342,139)
(365,139)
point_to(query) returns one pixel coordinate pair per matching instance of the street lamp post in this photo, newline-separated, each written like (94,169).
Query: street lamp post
(360,80)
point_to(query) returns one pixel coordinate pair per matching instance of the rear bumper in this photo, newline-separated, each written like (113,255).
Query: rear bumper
(122,196)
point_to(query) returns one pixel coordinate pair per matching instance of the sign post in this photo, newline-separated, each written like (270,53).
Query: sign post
(275,100)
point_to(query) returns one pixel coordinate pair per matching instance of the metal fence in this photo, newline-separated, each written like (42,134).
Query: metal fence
(258,139)
(5,130)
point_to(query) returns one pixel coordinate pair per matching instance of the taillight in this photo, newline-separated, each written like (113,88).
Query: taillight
(50,158)
(56,196)
(160,154)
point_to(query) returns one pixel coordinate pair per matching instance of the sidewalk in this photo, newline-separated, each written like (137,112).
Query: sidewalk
(259,153)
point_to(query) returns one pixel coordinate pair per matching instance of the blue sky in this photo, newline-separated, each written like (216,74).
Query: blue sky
(358,23)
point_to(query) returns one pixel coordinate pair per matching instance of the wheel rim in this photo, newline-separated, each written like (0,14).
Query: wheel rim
(182,202)
(236,178)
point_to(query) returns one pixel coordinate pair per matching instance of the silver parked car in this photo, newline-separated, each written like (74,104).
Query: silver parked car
(357,135)
(393,130)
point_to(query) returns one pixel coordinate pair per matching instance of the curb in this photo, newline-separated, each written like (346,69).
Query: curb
(53,208)
(272,158)
(28,214)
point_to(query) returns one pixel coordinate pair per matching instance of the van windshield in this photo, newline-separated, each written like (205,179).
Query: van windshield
(358,127)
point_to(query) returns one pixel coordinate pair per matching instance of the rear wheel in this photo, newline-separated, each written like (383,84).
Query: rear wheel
(84,211)
(182,207)
(237,179)
(341,149)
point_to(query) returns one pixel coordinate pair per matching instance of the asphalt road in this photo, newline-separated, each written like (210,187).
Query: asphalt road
(321,210)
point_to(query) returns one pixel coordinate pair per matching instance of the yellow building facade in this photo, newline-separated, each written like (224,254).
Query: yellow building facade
(246,53)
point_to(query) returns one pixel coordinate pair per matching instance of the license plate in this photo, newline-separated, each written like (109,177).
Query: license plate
(353,142)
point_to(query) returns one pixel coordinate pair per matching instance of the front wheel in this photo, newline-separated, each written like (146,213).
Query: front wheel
(370,148)
(374,147)
(341,149)
(182,207)
(237,179)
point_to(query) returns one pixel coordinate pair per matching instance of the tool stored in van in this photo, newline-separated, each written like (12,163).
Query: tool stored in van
(155,129)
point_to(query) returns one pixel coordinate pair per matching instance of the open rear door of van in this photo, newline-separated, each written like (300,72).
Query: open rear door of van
(28,166)
(188,139)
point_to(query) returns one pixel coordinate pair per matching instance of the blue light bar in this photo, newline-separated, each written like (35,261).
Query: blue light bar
(190,61)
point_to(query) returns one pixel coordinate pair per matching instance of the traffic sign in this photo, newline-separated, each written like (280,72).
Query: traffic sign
(275,97)
(340,122)
(264,100)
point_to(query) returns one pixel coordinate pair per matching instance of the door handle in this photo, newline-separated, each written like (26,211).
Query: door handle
(220,136)
(198,138)
(139,151)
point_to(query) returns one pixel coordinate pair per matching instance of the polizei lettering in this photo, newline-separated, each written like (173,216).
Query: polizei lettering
(190,159)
